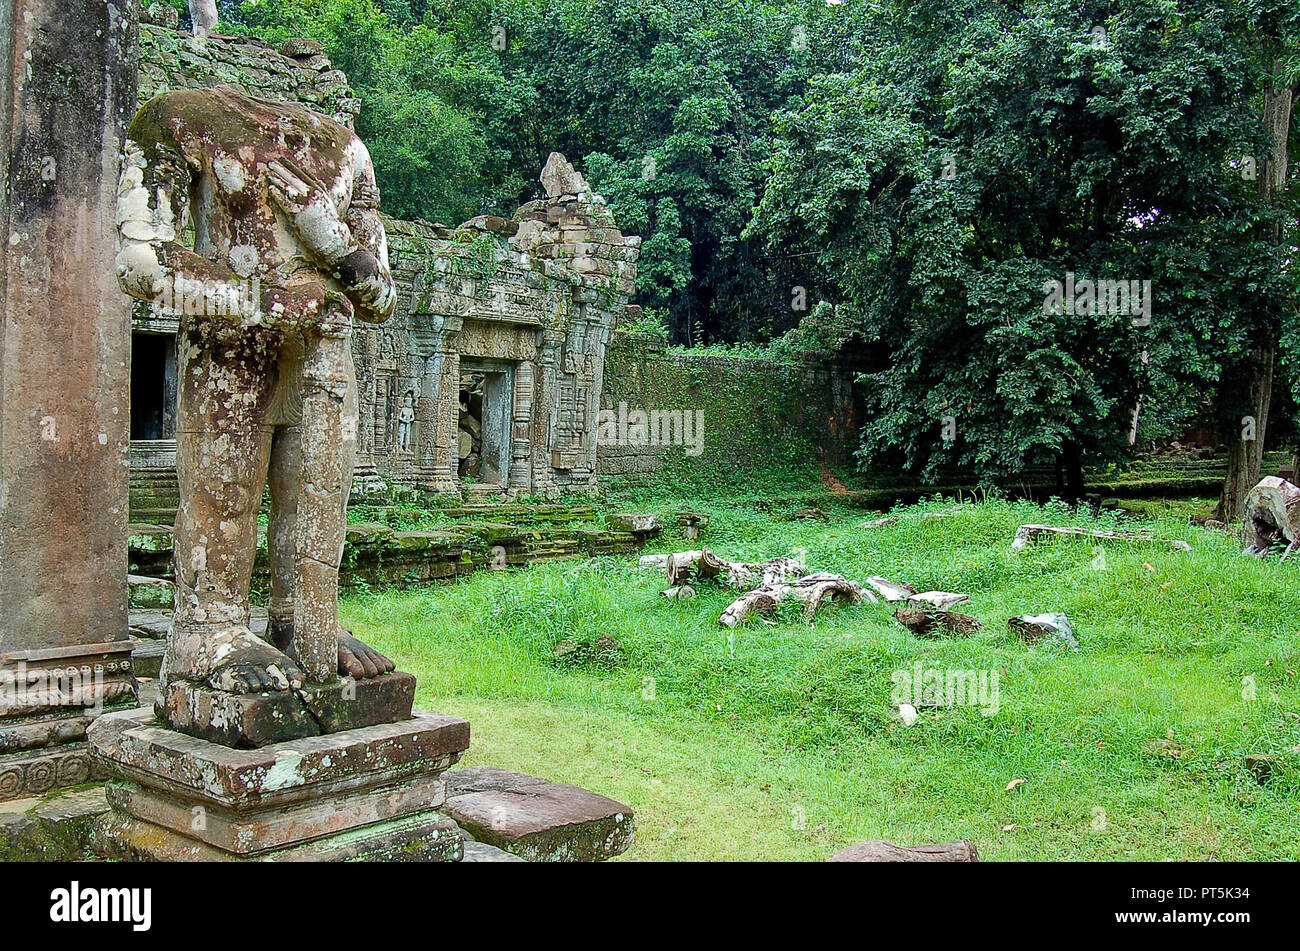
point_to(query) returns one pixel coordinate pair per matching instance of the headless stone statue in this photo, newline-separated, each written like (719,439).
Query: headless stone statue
(288,247)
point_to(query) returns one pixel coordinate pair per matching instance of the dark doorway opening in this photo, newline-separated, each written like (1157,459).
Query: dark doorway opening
(153,386)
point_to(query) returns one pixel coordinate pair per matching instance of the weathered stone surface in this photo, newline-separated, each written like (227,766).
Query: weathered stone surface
(48,698)
(136,747)
(631,522)
(369,793)
(52,828)
(560,178)
(482,852)
(67,92)
(422,838)
(252,720)
(144,592)
(881,851)
(261,830)
(537,820)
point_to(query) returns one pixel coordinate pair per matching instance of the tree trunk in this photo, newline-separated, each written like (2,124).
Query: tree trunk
(203,14)
(1246,455)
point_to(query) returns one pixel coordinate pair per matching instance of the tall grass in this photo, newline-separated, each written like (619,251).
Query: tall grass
(782,741)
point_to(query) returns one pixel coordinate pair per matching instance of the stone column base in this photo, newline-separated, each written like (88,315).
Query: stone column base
(369,793)
(48,699)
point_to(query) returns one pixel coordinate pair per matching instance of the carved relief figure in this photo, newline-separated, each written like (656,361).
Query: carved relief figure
(404,420)
(288,248)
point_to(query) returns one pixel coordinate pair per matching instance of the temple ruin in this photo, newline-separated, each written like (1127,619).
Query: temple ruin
(488,379)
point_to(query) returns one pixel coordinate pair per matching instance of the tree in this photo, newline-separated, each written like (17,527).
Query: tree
(1250,381)
(981,152)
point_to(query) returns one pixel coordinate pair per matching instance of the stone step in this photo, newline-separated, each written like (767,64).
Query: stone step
(535,819)
(52,828)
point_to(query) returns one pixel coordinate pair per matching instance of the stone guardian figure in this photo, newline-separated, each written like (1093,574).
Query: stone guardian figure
(287,248)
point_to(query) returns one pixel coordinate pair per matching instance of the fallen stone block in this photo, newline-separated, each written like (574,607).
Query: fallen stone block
(889,590)
(535,819)
(879,850)
(1033,628)
(937,600)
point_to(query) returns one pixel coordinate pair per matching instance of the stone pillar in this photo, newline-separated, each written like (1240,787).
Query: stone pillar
(67,92)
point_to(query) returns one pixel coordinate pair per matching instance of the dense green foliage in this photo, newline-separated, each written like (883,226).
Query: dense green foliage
(900,176)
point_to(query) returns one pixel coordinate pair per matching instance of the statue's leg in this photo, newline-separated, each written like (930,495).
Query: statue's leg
(222,450)
(356,658)
(285,476)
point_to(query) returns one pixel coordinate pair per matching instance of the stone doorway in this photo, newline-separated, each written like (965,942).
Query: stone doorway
(153,386)
(486,405)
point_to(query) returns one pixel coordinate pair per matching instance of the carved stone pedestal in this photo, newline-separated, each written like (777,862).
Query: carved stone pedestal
(369,793)
(48,699)
(260,719)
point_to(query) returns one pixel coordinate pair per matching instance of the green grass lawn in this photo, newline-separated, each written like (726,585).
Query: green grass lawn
(783,742)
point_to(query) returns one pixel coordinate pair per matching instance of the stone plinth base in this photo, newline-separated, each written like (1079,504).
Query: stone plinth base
(261,719)
(369,793)
(48,699)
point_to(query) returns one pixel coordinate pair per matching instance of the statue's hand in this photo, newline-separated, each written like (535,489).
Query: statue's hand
(312,305)
(311,212)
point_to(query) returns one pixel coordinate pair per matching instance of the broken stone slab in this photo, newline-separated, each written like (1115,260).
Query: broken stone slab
(537,820)
(937,600)
(1029,534)
(637,524)
(927,622)
(683,592)
(889,590)
(260,719)
(879,850)
(560,178)
(369,793)
(151,624)
(1272,515)
(1055,628)
(145,592)
(53,828)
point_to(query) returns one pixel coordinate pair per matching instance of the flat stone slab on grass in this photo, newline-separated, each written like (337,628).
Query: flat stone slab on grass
(878,850)
(535,819)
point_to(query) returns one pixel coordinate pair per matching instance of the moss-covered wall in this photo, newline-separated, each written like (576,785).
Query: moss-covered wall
(762,421)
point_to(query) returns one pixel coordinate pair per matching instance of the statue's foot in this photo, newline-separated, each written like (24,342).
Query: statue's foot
(360,661)
(244,663)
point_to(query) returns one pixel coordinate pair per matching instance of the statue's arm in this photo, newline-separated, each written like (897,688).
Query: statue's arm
(153,263)
(350,246)
(365,271)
